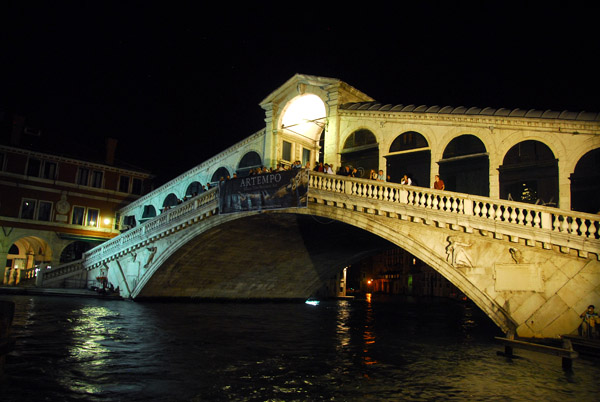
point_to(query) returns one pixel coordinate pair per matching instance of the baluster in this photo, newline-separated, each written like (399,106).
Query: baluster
(435,201)
(454,205)
(592,230)
(509,215)
(574,226)
(429,200)
(410,197)
(557,223)
(447,204)
(423,199)
(477,209)
(528,218)
(583,228)
(520,217)
(386,193)
(499,212)
(516,218)
(491,211)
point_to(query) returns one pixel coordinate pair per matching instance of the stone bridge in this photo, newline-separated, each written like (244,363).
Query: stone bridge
(531,268)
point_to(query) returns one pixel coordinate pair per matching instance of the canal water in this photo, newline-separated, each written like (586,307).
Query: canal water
(79,349)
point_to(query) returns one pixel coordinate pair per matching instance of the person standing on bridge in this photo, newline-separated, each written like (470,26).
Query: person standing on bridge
(589,326)
(438,184)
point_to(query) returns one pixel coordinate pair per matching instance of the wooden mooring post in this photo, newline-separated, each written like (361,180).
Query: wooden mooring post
(566,352)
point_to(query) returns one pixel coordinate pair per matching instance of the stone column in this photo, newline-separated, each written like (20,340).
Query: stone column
(271,139)
(564,189)
(331,152)
(3,269)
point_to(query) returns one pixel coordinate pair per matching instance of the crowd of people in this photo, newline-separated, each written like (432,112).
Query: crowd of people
(347,170)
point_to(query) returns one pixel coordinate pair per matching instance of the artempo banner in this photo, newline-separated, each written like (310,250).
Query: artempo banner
(285,189)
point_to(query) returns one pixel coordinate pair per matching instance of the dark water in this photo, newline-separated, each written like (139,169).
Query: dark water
(75,349)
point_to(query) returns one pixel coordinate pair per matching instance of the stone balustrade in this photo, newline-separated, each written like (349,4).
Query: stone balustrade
(204,204)
(535,224)
(63,270)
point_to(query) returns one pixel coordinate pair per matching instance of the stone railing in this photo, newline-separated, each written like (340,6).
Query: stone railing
(533,223)
(514,217)
(61,271)
(199,205)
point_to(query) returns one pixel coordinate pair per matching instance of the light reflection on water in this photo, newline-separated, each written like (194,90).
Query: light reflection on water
(100,350)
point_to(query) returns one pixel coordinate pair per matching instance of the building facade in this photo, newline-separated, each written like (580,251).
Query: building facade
(54,208)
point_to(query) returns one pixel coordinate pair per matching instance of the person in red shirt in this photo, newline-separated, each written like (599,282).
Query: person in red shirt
(439,183)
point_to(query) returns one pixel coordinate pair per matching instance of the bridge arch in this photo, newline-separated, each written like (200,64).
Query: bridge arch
(585,183)
(148,213)
(410,155)
(361,149)
(74,250)
(194,188)
(465,165)
(529,173)
(431,257)
(170,268)
(250,160)
(170,200)
(220,173)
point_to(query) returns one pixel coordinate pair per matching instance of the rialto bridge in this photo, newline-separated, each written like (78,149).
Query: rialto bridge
(510,229)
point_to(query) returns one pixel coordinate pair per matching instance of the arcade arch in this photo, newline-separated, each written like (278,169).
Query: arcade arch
(361,150)
(74,251)
(220,173)
(251,160)
(28,252)
(529,173)
(585,183)
(193,189)
(410,155)
(170,201)
(148,213)
(465,166)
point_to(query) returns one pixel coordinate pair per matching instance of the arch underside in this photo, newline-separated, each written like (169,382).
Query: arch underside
(268,256)
(282,255)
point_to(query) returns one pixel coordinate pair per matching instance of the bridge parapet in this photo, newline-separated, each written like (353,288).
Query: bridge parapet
(534,223)
(203,204)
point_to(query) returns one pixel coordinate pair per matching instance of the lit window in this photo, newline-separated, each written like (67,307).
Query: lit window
(92,217)
(28,209)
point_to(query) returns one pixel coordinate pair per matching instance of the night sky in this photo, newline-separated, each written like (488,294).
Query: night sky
(177,84)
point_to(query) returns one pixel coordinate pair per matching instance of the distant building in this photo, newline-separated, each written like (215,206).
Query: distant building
(397,272)
(53,208)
